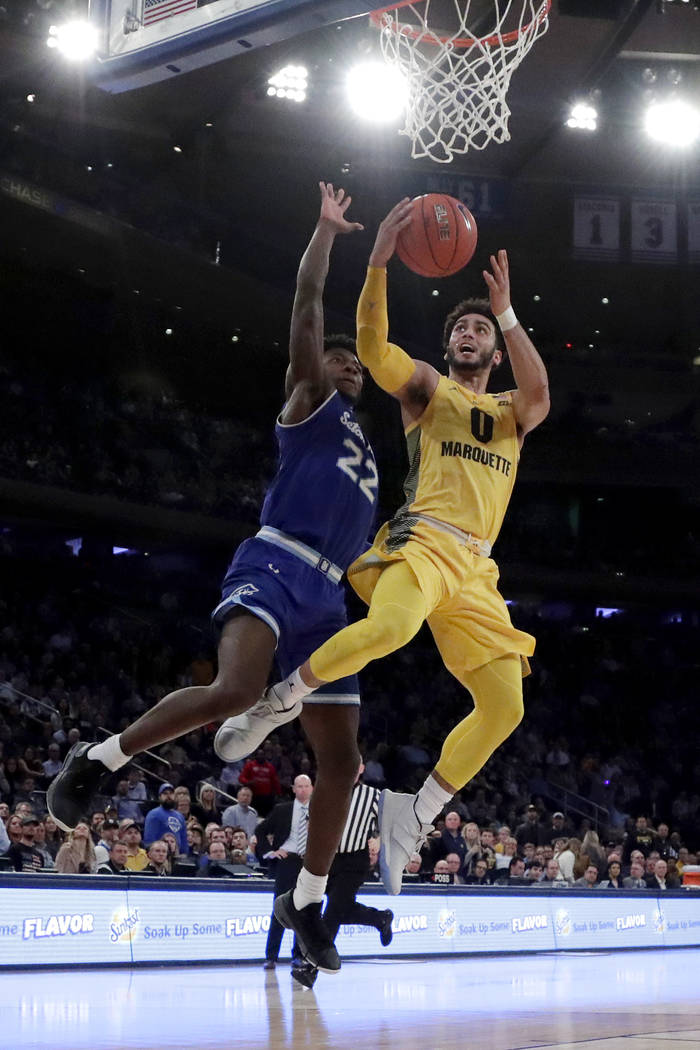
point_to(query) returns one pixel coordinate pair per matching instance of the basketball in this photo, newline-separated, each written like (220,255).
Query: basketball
(441,237)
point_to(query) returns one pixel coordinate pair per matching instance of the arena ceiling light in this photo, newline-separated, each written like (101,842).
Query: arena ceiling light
(673,122)
(291,82)
(376,92)
(583,116)
(76,41)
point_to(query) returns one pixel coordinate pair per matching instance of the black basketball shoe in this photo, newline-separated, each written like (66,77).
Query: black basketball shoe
(312,934)
(385,931)
(73,787)
(305,974)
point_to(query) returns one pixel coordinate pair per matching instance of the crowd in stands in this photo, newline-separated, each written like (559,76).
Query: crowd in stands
(138,445)
(611,720)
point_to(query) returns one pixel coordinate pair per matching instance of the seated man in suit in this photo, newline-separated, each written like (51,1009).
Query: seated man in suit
(281,845)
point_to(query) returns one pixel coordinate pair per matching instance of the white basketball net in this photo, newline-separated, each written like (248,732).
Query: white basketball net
(457,84)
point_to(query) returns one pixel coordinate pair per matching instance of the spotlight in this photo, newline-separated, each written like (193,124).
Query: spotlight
(76,41)
(377,92)
(291,82)
(675,123)
(583,116)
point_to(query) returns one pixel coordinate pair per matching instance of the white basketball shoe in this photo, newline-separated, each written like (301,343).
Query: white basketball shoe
(401,834)
(241,735)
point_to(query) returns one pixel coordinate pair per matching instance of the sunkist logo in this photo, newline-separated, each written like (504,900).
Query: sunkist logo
(447,923)
(124,925)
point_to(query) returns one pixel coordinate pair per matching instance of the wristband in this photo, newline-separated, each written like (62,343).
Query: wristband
(507,319)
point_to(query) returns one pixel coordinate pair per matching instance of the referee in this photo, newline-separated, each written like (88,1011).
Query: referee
(349,870)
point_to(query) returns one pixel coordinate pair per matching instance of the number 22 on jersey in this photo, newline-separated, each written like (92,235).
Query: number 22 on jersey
(360,461)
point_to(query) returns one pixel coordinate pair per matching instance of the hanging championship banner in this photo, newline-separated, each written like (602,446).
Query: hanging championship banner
(654,233)
(694,231)
(596,228)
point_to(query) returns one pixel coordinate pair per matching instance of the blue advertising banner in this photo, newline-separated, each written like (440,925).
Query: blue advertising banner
(75,920)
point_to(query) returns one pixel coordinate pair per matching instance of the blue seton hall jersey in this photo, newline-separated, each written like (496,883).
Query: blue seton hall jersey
(325,490)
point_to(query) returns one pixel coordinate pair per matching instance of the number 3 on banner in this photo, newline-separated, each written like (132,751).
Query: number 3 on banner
(368,484)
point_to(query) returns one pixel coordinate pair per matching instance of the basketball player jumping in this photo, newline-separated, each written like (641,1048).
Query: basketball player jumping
(282,592)
(432,560)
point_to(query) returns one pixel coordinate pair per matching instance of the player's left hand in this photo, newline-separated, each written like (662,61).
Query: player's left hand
(334,204)
(498,283)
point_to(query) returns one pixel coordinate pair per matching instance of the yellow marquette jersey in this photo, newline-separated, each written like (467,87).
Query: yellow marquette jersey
(463,454)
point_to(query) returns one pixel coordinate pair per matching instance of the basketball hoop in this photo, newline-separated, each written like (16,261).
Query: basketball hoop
(458,78)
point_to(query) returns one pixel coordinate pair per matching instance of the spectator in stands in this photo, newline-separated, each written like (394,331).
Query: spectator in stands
(40,844)
(109,832)
(4,838)
(413,868)
(173,849)
(660,879)
(642,838)
(614,876)
(127,807)
(450,840)
(14,828)
(206,809)
(157,859)
(635,880)
(136,857)
(242,813)
(472,839)
(215,856)
(195,838)
(77,854)
(531,830)
(663,844)
(441,874)
(567,857)
(116,860)
(560,828)
(592,852)
(454,866)
(53,763)
(501,838)
(589,879)
(261,777)
(136,792)
(509,849)
(96,821)
(238,840)
(23,853)
(183,801)
(165,818)
(479,876)
(534,872)
(515,875)
(53,836)
(553,875)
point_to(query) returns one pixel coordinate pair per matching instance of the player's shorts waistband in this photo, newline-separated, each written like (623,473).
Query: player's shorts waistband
(306,553)
(478,546)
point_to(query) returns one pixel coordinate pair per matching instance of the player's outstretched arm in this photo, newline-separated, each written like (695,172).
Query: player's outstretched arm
(411,382)
(531,399)
(306,330)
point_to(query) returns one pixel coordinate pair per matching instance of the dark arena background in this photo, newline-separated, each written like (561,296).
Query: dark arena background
(153,211)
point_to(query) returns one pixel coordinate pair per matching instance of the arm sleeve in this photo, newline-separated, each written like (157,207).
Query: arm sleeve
(389,365)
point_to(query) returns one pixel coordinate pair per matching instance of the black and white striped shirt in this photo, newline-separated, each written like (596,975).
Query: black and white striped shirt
(362,819)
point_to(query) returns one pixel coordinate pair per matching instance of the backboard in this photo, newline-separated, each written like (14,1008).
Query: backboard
(144,41)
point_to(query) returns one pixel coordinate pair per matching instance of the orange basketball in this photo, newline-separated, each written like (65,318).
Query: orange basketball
(441,237)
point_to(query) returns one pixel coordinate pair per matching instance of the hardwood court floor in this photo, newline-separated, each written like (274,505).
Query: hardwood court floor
(592,1001)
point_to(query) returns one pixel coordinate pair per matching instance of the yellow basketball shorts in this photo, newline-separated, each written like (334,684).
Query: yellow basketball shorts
(467,615)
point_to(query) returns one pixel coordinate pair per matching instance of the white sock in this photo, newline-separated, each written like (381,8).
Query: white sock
(430,800)
(109,753)
(285,694)
(309,889)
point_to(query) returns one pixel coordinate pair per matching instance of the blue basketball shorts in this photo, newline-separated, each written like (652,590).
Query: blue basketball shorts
(298,602)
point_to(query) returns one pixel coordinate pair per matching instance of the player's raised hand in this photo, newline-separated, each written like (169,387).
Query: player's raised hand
(498,282)
(389,229)
(334,204)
